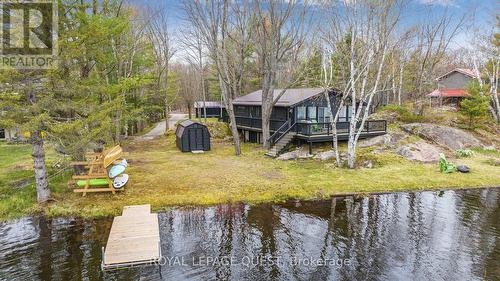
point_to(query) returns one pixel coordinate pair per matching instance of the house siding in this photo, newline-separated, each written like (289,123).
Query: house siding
(455,80)
(8,133)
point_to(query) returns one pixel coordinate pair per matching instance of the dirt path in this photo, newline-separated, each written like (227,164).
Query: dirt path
(159,129)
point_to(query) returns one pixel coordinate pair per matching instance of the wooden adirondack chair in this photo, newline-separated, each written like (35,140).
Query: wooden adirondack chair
(445,166)
(96,178)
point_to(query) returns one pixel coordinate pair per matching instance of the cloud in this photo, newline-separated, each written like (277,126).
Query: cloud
(443,3)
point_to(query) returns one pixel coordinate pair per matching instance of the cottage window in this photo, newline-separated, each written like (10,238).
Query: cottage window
(241,111)
(323,115)
(312,113)
(343,114)
(301,113)
(255,112)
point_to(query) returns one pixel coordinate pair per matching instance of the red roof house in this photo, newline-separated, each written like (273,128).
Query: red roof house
(451,86)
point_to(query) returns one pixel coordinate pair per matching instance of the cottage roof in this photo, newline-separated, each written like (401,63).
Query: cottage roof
(465,71)
(289,98)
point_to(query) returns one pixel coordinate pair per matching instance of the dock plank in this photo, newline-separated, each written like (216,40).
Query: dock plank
(134,238)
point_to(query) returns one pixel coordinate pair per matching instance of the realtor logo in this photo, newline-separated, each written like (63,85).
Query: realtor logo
(28,34)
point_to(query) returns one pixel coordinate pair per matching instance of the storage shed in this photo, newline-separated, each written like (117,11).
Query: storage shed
(192,136)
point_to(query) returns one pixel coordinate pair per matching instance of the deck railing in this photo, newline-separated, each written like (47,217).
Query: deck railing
(280,132)
(252,122)
(310,129)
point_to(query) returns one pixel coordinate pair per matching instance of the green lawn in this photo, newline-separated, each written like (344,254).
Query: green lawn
(17,192)
(162,176)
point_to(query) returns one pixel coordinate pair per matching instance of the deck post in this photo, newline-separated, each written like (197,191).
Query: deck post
(310,148)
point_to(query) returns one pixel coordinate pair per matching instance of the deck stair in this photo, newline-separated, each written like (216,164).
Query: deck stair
(281,144)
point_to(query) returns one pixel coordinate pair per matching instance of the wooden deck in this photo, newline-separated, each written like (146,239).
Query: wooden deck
(134,239)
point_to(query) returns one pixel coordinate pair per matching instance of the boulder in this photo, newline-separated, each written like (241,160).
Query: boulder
(375,141)
(419,151)
(390,139)
(447,136)
(296,154)
(368,164)
(325,155)
(463,169)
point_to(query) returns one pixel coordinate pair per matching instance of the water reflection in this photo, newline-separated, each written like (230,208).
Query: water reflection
(404,236)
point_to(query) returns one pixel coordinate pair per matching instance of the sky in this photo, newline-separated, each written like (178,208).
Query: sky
(480,14)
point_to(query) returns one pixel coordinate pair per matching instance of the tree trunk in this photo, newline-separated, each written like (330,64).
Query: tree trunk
(333,121)
(167,114)
(38,155)
(234,128)
(351,153)
(228,102)
(267,109)
(266,133)
(400,90)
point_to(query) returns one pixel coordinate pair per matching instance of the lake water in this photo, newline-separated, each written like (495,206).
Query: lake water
(452,235)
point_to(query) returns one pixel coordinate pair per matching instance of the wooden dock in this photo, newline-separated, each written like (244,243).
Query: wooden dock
(134,239)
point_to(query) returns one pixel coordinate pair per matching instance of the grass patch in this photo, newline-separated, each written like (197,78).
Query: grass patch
(17,191)
(163,176)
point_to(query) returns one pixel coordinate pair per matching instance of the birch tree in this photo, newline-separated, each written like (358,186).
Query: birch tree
(368,27)
(224,27)
(486,60)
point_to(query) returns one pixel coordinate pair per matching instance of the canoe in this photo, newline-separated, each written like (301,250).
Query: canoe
(93,182)
(117,169)
(120,181)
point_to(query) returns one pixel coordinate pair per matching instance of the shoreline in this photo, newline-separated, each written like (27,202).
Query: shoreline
(276,201)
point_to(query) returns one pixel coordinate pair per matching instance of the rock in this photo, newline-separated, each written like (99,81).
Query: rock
(384,140)
(450,137)
(368,164)
(375,141)
(326,155)
(296,154)
(494,162)
(419,151)
(463,169)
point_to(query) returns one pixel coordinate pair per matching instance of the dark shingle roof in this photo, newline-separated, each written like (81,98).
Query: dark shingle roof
(289,98)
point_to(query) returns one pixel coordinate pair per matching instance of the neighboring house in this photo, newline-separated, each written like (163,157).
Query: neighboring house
(301,115)
(8,133)
(213,109)
(451,87)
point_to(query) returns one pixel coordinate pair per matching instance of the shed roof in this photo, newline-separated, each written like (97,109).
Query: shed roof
(289,98)
(208,104)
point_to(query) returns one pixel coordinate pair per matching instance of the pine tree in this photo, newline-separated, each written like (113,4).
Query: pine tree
(475,105)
